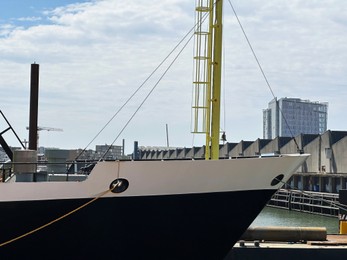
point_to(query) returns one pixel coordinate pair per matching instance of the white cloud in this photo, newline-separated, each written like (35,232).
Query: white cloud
(29,19)
(5,29)
(93,55)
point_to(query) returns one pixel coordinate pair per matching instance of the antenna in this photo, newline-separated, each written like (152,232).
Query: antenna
(167,136)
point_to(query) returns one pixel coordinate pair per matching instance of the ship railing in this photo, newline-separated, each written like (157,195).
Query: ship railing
(320,203)
(45,171)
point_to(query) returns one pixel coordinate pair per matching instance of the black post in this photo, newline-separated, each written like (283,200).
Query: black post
(33,113)
(6,148)
(136,154)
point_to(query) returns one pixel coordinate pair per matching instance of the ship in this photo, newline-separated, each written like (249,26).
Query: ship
(146,209)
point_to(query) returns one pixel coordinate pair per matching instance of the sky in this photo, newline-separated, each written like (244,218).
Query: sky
(94,55)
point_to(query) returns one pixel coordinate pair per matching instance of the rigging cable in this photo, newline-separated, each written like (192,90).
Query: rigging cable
(137,90)
(338,205)
(224,90)
(223,130)
(262,72)
(155,85)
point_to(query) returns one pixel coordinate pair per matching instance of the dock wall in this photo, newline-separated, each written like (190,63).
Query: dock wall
(328,151)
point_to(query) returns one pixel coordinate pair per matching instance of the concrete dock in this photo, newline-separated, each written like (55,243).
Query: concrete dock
(334,247)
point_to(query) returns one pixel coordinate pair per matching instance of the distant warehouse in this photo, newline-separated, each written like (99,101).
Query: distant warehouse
(288,117)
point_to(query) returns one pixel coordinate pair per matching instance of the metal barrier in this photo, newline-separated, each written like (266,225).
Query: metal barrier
(320,203)
(44,171)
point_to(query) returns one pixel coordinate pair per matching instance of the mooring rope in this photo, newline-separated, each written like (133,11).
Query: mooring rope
(57,219)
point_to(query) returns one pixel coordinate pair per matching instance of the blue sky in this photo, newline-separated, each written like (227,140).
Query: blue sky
(94,54)
(14,9)
(28,12)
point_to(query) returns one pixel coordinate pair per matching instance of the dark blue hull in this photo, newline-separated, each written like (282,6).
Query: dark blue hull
(191,226)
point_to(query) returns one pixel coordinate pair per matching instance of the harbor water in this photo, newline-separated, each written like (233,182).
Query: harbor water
(281,217)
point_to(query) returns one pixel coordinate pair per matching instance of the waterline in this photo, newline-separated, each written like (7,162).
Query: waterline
(282,217)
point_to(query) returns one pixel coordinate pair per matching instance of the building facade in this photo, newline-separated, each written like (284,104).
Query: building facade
(109,152)
(288,117)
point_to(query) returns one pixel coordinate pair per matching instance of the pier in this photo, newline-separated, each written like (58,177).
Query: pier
(333,247)
(311,202)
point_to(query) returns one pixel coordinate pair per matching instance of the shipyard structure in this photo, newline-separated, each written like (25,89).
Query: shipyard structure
(328,156)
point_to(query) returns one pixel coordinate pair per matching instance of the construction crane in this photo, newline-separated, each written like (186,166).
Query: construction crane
(40,128)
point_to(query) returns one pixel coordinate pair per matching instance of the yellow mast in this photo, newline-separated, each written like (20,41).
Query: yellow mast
(216,82)
(207,74)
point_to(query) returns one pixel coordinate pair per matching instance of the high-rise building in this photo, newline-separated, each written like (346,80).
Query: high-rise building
(293,116)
